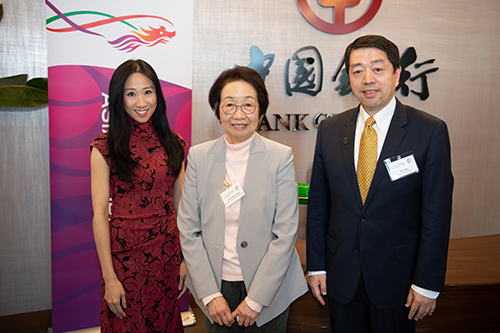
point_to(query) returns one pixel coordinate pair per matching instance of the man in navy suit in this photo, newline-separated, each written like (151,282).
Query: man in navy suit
(380,257)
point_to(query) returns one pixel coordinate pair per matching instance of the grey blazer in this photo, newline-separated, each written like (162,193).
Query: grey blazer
(267,228)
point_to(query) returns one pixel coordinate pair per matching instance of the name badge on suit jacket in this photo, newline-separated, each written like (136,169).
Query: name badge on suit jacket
(231,194)
(401,166)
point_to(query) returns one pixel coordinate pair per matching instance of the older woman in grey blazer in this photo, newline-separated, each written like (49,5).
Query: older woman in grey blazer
(238,215)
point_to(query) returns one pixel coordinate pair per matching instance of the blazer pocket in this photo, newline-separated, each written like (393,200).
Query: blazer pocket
(331,244)
(407,251)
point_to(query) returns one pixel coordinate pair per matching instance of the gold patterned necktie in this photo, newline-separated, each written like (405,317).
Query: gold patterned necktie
(367,159)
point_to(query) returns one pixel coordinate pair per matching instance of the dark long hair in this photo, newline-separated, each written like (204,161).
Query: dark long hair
(120,126)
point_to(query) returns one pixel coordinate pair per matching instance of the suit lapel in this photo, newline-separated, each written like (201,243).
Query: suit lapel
(347,148)
(253,177)
(220,147)
(219,163)
(395,135)
(217,168)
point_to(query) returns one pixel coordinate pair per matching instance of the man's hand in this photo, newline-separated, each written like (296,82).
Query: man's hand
(318,287)
(220,312)
(246,316)
(420,306)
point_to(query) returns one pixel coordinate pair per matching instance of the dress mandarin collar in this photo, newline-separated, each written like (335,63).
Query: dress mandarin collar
(143,129)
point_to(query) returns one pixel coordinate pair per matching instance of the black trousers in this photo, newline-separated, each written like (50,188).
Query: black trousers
(361,316)
(235,293)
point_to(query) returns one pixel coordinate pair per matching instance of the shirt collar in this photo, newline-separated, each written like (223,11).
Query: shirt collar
(382,118)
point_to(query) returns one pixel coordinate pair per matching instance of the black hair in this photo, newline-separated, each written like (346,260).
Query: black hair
(374,41)
(239,73)
(120,126)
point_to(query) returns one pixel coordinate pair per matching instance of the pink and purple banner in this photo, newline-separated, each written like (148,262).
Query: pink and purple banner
(86,41)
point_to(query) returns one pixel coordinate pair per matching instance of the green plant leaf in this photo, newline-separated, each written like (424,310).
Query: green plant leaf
(22,96)
(16,80)
(39,83)
(15,91)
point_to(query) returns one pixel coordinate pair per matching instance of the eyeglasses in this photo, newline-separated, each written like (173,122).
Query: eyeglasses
(229,108)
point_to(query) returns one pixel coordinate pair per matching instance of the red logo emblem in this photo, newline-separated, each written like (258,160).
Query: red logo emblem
(338,26)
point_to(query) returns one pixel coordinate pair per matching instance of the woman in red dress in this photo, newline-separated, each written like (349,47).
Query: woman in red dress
(138,166)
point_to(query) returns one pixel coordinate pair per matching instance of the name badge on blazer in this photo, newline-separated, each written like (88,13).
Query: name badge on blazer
(232,194)
(401,166)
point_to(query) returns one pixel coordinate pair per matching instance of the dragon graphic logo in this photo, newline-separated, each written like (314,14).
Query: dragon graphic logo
(128,42)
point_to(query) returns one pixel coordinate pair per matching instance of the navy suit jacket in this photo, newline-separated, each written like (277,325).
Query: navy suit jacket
(400,236)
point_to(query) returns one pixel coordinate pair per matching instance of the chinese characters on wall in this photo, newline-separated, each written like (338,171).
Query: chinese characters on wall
(304,74)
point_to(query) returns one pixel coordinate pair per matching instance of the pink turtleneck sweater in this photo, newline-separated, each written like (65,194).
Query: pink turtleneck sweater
(236,168)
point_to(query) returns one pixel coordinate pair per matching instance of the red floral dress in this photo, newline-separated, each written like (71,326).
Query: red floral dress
(145,245)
